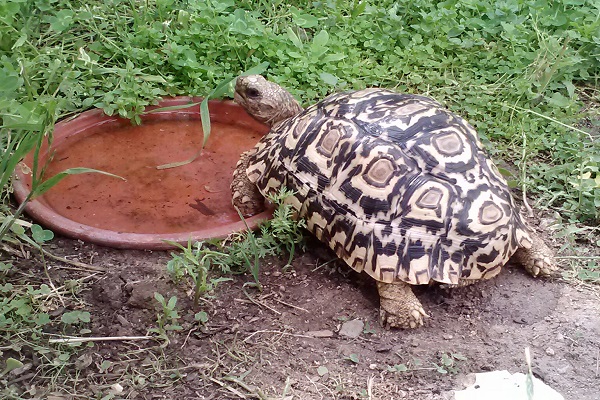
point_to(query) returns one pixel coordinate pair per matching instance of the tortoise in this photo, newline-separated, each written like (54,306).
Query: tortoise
(397,185)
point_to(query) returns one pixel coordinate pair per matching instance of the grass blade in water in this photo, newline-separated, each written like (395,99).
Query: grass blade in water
(50,182)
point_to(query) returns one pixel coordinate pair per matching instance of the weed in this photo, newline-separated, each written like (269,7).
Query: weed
(243,249)
(353,358)
(201,317)
(195,261)
(397,368)
(166,318)
(368,329)
(448,363)
(584,270)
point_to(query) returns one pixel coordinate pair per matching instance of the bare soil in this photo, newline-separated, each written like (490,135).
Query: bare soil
(271,344)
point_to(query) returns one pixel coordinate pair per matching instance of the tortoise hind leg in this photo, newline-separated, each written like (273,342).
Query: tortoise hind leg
(245,195)
(399,306)
(538,260)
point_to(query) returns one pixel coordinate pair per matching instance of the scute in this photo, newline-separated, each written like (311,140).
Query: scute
(396,185)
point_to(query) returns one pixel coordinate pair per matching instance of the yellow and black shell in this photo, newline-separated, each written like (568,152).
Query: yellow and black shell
(396,185)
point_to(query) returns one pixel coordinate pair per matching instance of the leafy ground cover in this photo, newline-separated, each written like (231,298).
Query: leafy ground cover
(523,72)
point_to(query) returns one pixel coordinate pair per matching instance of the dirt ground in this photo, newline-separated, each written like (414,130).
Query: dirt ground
(285,342)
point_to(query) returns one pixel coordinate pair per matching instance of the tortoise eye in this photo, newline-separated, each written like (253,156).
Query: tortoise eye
(252,93)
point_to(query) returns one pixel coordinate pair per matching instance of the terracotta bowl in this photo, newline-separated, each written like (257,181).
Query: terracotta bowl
(190,202)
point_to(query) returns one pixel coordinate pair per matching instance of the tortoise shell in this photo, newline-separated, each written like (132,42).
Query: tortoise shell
(396,185)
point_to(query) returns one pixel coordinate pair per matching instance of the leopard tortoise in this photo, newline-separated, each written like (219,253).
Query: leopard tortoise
(395,184)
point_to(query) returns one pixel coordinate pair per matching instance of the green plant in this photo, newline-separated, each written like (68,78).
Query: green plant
(398,368)
(242,249)
(449,363)
(583,269)
(166,317)
(201,317)
(368,329)
(32,140)
(353,358)
(195,261)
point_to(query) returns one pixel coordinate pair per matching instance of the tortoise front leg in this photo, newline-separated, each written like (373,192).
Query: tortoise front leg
(245,195)
(399,307)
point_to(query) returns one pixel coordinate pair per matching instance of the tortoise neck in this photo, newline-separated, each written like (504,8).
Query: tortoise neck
(288,108)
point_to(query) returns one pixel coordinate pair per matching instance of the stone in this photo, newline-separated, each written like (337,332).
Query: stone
(352,329)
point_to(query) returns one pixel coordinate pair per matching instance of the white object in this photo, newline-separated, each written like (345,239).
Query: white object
(502,385)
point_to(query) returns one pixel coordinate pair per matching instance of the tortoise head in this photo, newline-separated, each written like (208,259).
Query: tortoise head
(265,101)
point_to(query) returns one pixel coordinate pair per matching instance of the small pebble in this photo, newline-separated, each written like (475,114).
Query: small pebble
(352,329)
(383,349)
(448,337)
(320,334)
(550,351)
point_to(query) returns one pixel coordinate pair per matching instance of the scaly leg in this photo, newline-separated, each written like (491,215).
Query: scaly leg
(537,260)
(399,306)
(245,195)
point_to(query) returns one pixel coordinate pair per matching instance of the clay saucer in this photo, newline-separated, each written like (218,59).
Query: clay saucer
(190,202)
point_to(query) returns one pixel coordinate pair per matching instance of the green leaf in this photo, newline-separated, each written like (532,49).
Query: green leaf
(504,172)
(41,319)
(333,57)
(152,78)
(41,235)
(20,41)
(104,366)
(302,19)
(10,158)
(322,370)
(172,303)
(353,357)
(294,38)
(320,40)
(17,229)
(43,187)
(559,100)
(205,118)
(218,91)
(171,108)
(159,297)
(328,78)
(398,368)
(75,317)
(62,20)
(5,266)
(358,9)
(257,69)
(201,316)
(11,364)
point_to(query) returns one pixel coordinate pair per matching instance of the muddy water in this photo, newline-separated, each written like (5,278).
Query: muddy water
(181,199)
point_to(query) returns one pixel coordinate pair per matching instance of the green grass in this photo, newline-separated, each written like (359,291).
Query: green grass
(240,252)
(518,70)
